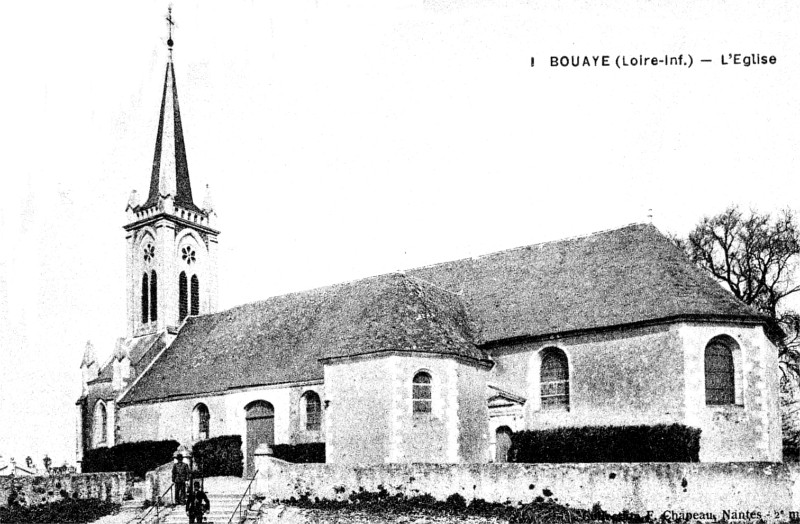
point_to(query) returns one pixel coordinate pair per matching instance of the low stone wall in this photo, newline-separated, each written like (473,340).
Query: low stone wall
(105,486)
(673,488)
(157,481)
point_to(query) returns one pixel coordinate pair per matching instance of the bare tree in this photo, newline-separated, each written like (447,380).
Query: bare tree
(755,256)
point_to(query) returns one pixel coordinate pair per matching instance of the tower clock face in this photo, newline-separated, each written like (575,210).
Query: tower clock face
(187,253)
(149,252)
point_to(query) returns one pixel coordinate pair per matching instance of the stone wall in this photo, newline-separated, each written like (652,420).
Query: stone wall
(105,486)
(370,418)
(173,419)
(749,429)
(622,378)
(640,488)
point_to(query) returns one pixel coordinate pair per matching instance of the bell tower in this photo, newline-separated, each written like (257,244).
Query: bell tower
(172,245)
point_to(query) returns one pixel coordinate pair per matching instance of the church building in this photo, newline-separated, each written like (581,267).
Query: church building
(433,364)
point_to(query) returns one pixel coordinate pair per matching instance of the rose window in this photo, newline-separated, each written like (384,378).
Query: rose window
(188,254)
(149,252)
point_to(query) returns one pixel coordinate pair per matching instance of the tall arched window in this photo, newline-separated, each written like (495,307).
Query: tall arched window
(421,393)
(183,298)
(195,295)
(554,379)
(201,422)
(145,299)
(153,296)
(100,423)
(313,411)
(720,372)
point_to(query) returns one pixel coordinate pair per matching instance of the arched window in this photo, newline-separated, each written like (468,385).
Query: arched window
(195,295)
(720,372)
(153,296)
(554,379)
(201,422)
(145,299)
(421,393)
(183,299)
(101,423)
(313,411)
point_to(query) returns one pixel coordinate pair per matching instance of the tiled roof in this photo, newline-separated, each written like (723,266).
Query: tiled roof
(282,339)
(612,278)
(626,276)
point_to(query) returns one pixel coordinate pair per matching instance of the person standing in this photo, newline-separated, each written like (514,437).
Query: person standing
(180,476)
(197,503)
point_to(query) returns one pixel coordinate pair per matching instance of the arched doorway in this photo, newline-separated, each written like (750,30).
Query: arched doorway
(260,430)
(502,443)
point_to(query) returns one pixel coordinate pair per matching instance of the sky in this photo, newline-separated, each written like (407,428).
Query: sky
(343,139)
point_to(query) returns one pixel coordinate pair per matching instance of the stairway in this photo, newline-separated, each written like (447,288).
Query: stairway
(223,495)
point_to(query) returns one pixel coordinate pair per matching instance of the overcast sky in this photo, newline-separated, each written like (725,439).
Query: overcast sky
(343,140)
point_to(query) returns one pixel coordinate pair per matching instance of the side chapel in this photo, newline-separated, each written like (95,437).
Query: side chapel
(433,364)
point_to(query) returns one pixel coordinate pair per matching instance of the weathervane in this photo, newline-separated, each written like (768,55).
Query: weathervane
(170,23)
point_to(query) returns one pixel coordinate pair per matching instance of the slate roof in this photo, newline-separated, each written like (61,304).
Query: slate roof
(613,278)
(139,349)
(282,339)
(183,187)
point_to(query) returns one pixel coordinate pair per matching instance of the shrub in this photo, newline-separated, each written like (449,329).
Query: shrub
(68,510)
(219,456)
(300,453)
(136,457)
(659,443)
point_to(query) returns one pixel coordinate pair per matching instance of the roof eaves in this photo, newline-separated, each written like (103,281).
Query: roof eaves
(704,318)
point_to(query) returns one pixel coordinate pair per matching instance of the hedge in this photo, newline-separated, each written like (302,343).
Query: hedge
(68,510)
(219,456)
(659,443)
(300,453)
(136,457)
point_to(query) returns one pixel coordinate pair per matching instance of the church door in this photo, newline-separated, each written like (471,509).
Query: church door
(260,430)
(503,444)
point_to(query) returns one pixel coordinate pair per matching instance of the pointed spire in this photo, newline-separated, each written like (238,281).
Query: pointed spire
(133,200)
(170,175)
(208,203)
(89,356)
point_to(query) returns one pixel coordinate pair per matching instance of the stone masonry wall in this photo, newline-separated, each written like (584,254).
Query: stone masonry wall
(105,486)
(656,487)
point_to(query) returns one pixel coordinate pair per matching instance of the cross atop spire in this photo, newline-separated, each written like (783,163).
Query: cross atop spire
(170,175)
(170,23)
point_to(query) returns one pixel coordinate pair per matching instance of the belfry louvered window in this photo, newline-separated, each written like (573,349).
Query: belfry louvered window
(153,296)
(720,382)
(421,393)
(183,298)
(145,299)
(554,380)
(195,295)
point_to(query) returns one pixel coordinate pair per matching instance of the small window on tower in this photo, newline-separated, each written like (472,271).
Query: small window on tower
(145,299)
(188,255)
(149,252)
(183,297)
(153,296)
(195,295)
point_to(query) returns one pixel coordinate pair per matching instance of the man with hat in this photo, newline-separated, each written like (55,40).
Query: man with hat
(180,476)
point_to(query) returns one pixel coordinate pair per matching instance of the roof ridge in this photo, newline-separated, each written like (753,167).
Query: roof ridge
(404,273)
(538,244)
